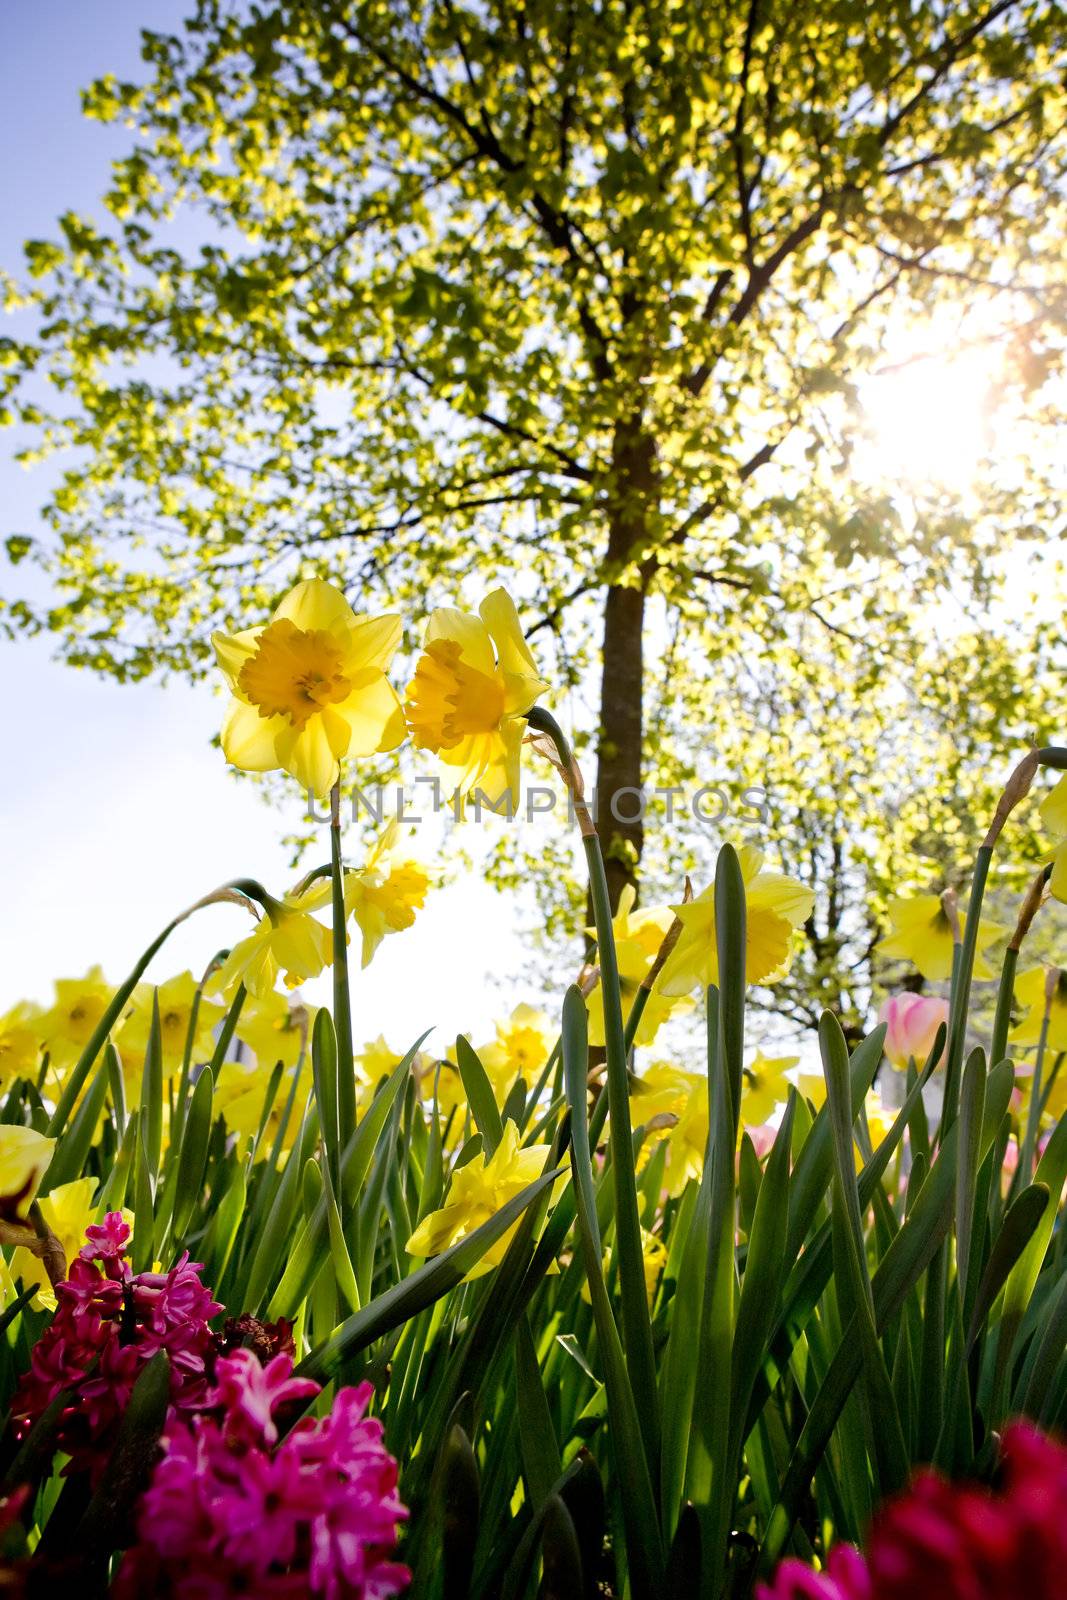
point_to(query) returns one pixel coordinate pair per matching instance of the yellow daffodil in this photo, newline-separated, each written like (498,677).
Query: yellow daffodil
(176,998)
(20,1043)
(286,940)
(384,895)
(377,1060)
(1030,992)
(812,1086)
(922,934)
(763,1086)
(879,1121)
(310,687)
(687,1141)
(240,1095)
(24,1157)
(521,1048)
(274,1030)
(638,937)
(79,1004)
(477,1192)
(441,1078)
(68,1211)
(1054,816)
(660,1088)
(473,685)
(776,907)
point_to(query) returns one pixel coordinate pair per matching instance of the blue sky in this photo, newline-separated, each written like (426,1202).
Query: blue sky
(115,812)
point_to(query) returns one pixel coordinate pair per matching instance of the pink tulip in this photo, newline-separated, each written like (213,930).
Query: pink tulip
(912,1021)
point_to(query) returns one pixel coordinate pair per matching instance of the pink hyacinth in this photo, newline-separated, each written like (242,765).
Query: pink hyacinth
(232,1509)
(109,1323)
(956,1541)
(912,1021)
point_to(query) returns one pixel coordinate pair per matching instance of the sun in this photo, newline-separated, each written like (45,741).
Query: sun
(928,414)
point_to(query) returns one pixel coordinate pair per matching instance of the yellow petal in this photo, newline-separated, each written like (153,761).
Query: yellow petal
(371,643)
(306,753)
(374,718)
(468,632)
(249,741)
(233,650)
(1054,809)
(316,604)
(1058,881)
(523,687)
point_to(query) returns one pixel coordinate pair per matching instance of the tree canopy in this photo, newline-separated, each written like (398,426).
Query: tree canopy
(577,293)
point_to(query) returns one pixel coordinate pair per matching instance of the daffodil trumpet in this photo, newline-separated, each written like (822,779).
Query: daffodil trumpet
(637,1323)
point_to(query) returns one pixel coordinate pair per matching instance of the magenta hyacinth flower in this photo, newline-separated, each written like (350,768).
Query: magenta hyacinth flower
(956,1541)
(109,1323)
(236,1508)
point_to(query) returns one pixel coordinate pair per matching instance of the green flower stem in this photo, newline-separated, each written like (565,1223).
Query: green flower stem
(1015,790)
(998,1046)
(1033,1118)
(961,990)
(342,1004)
(637,1327)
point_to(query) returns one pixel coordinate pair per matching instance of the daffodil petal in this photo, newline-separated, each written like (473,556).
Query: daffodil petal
(468,632)
(316,604)
(306,753)
(249,741)
(233,650)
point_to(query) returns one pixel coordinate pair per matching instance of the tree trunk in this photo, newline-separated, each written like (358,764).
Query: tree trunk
(620,745)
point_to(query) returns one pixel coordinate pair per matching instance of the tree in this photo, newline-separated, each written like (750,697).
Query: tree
(582,288)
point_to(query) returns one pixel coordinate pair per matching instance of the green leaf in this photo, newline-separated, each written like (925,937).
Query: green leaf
(408,1297)
(129,1466)
(152,1093)
(561,1559)
(192,1157)
(480,1096)
(542,1463)
(1020,1223)
(324,1071)
(643,1540)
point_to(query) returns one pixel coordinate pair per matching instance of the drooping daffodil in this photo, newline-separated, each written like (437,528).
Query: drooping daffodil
(383,895)
(473,685)
(477,1192)
(923,934)
(775,907)
(309,687)
(177,998)
(1036,989)
(286,940)
(638,938)
(24,1158)
(1053,811)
